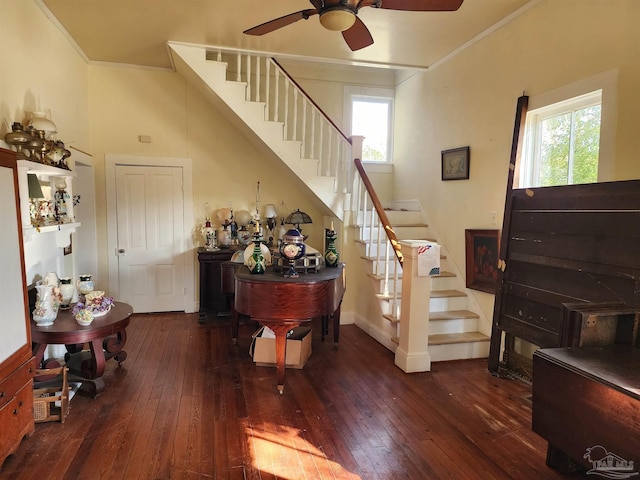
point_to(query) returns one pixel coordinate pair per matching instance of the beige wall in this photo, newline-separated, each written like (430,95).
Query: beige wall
(471,100)
(129,102)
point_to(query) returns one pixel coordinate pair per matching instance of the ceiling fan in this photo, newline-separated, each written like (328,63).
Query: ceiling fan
(342,15)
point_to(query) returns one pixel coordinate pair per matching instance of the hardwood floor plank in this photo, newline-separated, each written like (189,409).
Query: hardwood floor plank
(189,404)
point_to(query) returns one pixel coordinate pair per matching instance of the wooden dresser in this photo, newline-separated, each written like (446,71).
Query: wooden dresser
(16,361)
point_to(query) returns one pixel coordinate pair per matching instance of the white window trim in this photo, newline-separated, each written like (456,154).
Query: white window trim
(373,92)
(605,81)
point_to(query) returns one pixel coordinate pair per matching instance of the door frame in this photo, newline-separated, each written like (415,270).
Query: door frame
(111,162)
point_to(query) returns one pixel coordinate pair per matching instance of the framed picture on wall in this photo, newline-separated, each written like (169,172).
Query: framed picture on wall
(482,249)
(455,164)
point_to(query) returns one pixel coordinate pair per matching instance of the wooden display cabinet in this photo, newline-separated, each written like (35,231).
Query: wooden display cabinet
(16,361)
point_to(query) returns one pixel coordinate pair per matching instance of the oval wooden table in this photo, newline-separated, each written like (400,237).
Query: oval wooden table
(282,303)
(106,337)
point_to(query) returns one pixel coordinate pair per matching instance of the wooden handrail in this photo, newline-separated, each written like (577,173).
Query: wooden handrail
(391,234)
(306,95)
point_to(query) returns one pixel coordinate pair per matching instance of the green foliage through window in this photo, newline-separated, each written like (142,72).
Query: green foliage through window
(562,143)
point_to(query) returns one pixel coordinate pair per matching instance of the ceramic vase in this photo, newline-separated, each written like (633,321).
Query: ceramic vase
(67,290)
(47,304)
(85,284)
(51,279)
(256,262)
(331,255)
(224,237)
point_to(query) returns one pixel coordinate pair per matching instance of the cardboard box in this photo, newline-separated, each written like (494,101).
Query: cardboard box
(298,349)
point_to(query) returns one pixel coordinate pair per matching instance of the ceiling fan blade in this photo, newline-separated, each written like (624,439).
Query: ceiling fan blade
(277,23)
(415,5)
(358,36)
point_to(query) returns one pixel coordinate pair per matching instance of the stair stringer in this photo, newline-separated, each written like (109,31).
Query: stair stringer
(230,96)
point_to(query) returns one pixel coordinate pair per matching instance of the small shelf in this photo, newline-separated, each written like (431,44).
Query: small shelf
(36,167)
(29,232)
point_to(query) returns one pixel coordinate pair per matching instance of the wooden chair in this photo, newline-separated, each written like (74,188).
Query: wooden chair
(51,385)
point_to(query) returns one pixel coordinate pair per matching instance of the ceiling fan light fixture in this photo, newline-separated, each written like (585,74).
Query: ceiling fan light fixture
(338,19)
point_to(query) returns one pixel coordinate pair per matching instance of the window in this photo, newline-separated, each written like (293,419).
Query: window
(562,142)
(370,114)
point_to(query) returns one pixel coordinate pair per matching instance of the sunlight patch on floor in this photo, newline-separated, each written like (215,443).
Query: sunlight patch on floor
(284,451)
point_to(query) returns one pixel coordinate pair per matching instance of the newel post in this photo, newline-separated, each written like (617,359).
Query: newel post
(412,354)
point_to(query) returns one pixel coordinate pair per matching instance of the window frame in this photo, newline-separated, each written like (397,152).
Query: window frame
(607,82)
(378,95)
(530,166)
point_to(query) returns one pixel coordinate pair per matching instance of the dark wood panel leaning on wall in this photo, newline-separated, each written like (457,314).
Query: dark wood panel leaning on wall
(565,244)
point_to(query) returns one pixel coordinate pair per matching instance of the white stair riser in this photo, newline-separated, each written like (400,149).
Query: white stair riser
(406,232)
(377,267)
(378,285)
(447,303)
(444,283)
(373,249)
(457,325)
(397,217)
(459,351)
(389,307)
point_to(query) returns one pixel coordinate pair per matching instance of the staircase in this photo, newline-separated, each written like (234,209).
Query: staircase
(453,327)
(257,94)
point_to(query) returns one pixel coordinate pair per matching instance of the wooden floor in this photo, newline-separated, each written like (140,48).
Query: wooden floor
(189,404)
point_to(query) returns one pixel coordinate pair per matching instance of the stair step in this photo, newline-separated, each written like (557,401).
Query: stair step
(392,318)
(382,296)
(452,315)
(447,293)
(451,338)
(444,274)
(377,276)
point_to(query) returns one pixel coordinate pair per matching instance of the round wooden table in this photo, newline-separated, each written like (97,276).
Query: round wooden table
(106,337)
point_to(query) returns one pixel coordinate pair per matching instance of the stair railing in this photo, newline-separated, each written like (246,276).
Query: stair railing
(287,102)
(375,231)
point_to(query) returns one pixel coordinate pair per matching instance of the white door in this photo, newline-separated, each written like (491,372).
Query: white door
(149,211)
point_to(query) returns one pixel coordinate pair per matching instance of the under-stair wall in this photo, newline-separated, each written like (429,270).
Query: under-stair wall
(256,92)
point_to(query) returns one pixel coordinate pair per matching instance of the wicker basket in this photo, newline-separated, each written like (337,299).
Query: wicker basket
(50,392)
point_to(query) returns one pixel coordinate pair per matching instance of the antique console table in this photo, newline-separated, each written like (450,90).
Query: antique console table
(106,337)
(284,303)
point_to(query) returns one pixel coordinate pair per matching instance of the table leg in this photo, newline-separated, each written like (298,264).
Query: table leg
(38,352)
(281,355)
(336,327)
(281,330)
(114,345)
(235,324)
(94,368)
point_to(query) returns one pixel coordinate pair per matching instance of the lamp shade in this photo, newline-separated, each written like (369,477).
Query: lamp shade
(39,121)
(243,217)
(270,211)
(337,19)
(298,218)
(35,190)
